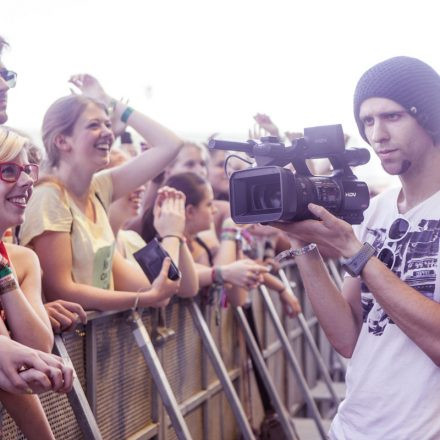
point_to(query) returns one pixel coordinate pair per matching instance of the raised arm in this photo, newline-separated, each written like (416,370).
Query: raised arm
(169,222)
(166,144)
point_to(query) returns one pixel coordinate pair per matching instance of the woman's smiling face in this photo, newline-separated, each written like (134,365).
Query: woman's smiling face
(14,196)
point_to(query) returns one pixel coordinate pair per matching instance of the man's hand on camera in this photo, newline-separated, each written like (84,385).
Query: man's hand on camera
(334,236)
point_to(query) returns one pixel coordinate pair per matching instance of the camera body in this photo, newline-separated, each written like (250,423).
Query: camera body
(269,192)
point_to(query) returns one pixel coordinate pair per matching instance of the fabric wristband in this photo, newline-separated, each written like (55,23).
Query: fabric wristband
(126,114)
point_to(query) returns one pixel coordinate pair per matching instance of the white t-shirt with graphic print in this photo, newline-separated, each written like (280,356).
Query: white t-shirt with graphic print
(393,387)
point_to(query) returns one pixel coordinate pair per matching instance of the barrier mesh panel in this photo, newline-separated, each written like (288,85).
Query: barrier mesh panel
(123,383)
(59,413)
(182,354)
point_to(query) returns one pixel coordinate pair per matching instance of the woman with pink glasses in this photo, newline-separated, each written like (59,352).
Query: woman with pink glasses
(23,316)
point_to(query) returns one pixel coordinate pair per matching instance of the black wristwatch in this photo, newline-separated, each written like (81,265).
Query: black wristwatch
(354,265)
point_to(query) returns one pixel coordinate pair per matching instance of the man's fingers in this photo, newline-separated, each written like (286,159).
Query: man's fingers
(322,213)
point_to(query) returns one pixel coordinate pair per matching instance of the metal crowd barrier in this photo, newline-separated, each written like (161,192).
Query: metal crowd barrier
(182,375)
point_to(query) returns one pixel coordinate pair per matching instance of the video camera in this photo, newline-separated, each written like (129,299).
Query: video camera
(270,192)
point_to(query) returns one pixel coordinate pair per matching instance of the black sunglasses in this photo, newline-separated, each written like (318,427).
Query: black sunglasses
(397,232)
(9,77)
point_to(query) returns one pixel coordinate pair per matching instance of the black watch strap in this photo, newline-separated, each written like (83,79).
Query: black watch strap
(354,265)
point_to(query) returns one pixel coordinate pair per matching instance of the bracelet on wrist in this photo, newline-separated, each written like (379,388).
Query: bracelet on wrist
(8,284)
(182,239)
(228,236)
(126,114)
(136,301)
(292,253)
(217,275)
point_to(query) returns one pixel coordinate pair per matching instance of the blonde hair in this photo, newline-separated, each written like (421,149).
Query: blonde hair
(60,118)
(11,144)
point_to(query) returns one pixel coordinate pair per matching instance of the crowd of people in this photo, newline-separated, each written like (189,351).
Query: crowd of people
(73,217)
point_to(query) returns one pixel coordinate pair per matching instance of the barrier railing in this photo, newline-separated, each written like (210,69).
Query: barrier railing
(195,382)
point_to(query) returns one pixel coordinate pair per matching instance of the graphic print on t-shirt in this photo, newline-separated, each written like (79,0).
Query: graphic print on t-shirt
(415,263)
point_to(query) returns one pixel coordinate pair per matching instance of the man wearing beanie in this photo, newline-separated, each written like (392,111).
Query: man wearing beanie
(387,320)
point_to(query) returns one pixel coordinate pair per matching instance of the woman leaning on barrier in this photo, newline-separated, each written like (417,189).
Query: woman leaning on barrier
(169,221)
(23,316)
(217,263)
(67,223)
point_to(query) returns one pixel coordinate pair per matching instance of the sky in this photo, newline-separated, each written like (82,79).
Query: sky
(208,66)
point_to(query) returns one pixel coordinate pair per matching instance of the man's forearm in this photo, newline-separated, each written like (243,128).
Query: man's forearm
(331,308)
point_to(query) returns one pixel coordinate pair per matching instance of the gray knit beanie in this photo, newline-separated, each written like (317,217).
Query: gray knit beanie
(409,82)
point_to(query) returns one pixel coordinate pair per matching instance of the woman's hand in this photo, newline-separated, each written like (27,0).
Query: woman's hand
(64,316)
(162,288)
(25,370)
(90,87)
(266,124)
(243,273)
(169,212)
(290,302)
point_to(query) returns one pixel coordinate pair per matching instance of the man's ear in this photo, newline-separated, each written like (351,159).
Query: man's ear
(62,143)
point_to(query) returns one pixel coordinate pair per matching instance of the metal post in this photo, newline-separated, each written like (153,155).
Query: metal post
(285,420)
(220,369)
(166,393)
(291,358)
(338,279)
(315,351)
(77,398)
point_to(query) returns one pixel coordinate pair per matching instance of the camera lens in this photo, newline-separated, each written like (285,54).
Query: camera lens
(267,196)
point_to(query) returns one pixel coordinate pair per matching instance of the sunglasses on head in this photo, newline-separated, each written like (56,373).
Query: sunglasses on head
(10,172)
(9,77)
(397,231)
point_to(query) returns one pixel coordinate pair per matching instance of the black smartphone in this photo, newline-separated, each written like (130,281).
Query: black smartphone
(151,257)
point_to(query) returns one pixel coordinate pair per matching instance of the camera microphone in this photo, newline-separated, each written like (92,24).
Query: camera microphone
(245,147)
(356,156)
